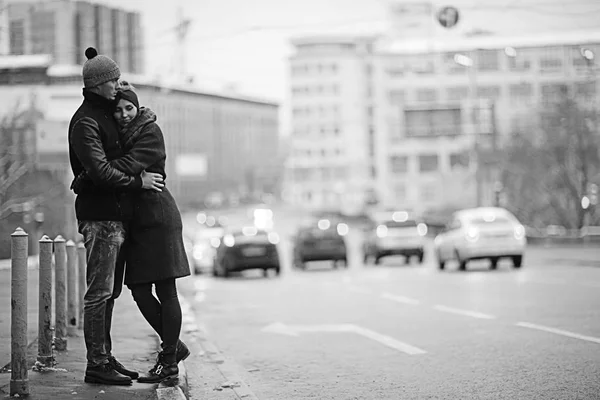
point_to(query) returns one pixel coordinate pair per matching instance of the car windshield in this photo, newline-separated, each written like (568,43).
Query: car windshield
(490,220)
(401,224)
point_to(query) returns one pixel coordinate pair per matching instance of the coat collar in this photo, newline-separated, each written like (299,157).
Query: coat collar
(144,117)
(98,101)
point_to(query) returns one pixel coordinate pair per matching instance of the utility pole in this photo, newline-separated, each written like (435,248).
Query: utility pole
(181,31)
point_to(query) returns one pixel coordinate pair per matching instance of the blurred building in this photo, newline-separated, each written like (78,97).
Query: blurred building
(331,160)
(215,143)
(404,119)
(65,28)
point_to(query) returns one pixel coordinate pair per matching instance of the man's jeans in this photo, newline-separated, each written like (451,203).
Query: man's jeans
(104,276)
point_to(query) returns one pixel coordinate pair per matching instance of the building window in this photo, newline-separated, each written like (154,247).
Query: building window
(399,164)
(396,97)
(520,92)
(432,123)
(520,62)
(585,91)
(17,37)
(487,60)
(428,163)
(459,160)
(488,92)
(457,93)
(451,66)
(551,59)
(552,93)
(426,95)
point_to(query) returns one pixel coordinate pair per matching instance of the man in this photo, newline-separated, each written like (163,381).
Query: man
(102,212)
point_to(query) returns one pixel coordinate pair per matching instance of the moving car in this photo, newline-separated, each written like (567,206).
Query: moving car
(247,248)
(481,233)
(321,240)
(394,233)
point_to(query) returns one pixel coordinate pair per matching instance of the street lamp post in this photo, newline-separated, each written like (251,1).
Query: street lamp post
(470,63)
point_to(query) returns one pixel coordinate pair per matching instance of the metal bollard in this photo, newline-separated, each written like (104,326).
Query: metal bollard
(81,259)
(72,289)
(19,379)
(45,356)
(60,289)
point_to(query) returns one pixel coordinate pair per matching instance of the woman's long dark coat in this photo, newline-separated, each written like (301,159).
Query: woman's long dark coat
(154,247)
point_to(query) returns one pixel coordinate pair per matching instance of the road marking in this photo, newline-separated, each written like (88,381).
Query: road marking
(467,313)
(558,332)
(400,299)
(296,330)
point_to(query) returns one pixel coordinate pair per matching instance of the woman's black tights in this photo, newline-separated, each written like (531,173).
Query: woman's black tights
(163,314)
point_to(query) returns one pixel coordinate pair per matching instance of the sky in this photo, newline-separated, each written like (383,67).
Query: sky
(244,44)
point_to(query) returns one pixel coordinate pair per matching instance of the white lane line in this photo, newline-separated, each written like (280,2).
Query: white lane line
(400,299)
(296,330)
(467,313)
(558,332)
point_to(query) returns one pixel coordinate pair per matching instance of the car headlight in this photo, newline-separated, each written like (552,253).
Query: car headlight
(342,229)
(519,232)
(422,229)
(382,231)
(229,240)
(472,234)
(273,237)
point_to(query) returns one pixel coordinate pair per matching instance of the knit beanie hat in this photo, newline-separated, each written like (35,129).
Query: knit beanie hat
(126,92)
(98,69)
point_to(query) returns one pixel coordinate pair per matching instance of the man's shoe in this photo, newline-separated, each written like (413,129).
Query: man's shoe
(120,368)
(182,352)
(160,372)
(105,374)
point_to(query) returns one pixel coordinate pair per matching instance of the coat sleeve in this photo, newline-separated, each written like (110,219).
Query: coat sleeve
(86,143)
(148,148)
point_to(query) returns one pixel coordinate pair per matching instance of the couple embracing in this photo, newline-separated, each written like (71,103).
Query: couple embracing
(130,223)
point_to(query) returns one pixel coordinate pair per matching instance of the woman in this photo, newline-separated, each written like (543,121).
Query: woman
(154,249)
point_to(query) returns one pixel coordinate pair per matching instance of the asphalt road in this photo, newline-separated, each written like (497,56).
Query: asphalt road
(398,331)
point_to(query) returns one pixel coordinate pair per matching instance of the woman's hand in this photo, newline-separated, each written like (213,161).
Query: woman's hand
(152,181)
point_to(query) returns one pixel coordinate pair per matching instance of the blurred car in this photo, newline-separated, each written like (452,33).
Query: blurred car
(481,233)
(247,248)
(394,233)
(321,240)
(205,243)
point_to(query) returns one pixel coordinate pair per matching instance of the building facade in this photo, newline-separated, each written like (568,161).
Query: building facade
(424,120)
(64,29)
(330,163)
(215,143)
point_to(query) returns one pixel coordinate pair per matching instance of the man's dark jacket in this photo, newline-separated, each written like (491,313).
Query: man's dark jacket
(93,141)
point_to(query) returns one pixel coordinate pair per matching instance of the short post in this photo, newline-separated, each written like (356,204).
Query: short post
(72,288)
(19,378)
(45,356)
(81,260)
(60,298)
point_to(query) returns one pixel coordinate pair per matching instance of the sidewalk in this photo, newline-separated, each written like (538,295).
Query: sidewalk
(134,344)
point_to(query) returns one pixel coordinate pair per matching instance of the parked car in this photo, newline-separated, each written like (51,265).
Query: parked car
(247,248)
(321,240)
(394,233)
(481,233)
